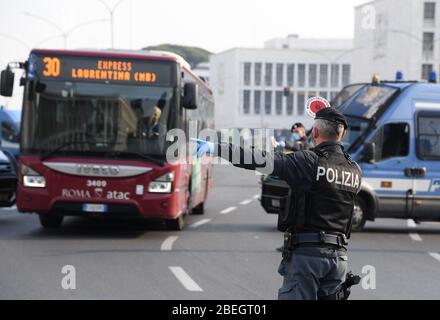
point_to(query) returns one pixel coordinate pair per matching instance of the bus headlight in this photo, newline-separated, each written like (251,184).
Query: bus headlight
(34,181)
(31,178)
(163,184)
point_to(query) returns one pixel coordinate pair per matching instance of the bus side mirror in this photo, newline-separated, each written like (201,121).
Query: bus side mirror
(7,83)
(190,94)
(369,152)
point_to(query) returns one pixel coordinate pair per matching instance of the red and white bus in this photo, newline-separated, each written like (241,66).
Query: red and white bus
(94,128)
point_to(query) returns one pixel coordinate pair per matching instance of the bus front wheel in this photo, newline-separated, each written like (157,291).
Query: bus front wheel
(199,210)
(50,221)
(176,224)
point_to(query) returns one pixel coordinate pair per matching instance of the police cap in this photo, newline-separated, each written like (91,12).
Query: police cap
(331,114)
(297,126)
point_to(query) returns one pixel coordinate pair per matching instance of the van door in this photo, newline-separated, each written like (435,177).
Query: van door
(387,175)
(427,196)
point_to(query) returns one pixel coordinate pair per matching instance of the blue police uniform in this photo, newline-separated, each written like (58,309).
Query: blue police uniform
(316,270)
(324,182)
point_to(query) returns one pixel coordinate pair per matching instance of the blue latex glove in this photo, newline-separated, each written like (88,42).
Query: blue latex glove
(203,147)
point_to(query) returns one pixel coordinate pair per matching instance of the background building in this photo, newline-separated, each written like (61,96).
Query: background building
(405,37)
(249,84)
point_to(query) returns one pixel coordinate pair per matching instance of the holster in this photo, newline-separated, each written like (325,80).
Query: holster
(345,291)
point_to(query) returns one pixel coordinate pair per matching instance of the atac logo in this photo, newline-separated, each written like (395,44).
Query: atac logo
(435,186)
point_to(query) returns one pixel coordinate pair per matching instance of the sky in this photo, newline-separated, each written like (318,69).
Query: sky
(213,25)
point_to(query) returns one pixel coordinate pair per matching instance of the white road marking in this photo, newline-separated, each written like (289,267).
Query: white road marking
(185,279)
(435,255)
(245,202)
(414,236)
(228,210)
(257,196)
(9,209)
(199,223)
(167,245)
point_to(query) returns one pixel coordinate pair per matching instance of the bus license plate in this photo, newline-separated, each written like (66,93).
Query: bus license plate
(95,208)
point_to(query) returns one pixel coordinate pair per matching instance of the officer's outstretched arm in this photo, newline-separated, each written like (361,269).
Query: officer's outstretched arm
(297,169)
(245,158)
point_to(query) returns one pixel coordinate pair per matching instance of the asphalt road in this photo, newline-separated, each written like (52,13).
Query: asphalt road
(229,253)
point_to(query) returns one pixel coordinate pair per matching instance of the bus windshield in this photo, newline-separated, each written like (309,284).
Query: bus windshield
(79,118)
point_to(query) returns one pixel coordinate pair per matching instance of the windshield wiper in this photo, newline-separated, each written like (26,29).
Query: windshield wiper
(137,154)
(50,153)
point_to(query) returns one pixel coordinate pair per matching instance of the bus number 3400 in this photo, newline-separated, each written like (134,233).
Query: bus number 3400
(97,183)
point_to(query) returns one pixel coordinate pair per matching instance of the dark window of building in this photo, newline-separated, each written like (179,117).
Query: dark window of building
(258,68)
(426,71)
(301,103)
(290,75)
(313,75)
(289,106)
(428,42)
(335,75)
(257,102)
(269,71)
(280,74)
(247,73)
(429,12)
(323,75)
(346,74)
(279,102)
(333,94)
(268,102)
(246,101)
(301,75)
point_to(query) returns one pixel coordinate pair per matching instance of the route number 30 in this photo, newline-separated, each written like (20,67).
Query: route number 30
(52,67)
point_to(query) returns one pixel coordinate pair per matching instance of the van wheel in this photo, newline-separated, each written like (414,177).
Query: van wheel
(176,224)
(50,221)
(12,197)
(199,210)
(359,215)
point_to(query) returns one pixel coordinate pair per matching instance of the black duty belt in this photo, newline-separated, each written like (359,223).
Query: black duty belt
(298,239)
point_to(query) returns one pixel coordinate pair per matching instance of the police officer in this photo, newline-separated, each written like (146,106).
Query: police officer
(324,183)
(298,140)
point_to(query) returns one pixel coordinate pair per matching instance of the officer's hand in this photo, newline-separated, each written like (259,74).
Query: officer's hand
(203,147)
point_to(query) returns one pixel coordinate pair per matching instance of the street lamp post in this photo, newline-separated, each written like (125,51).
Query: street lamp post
(18,40)
(64,34)
(111,11)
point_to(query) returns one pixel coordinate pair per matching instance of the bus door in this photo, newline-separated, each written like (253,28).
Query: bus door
(427,198)
(387,175)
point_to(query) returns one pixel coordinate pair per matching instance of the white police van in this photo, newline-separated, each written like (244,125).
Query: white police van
(394,135)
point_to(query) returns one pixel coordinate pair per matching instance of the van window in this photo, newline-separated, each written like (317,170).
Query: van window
(9,132)
(428,140)
(392,141)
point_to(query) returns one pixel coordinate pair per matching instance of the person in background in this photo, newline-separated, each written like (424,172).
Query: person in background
(297,141)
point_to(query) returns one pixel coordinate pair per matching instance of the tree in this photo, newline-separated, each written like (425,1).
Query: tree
(193,55)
